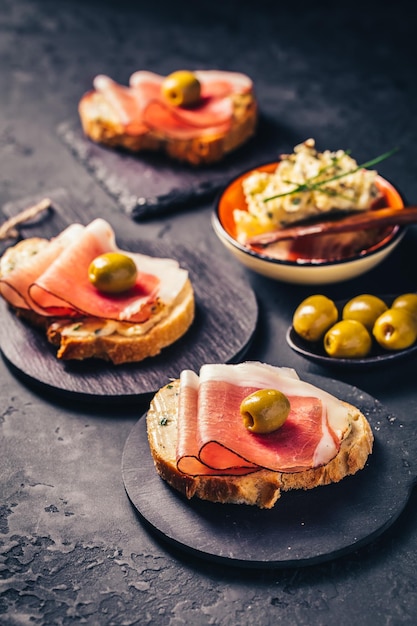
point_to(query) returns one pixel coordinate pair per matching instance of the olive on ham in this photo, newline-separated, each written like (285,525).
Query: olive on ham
(145,105)
(55,281)
(213,440)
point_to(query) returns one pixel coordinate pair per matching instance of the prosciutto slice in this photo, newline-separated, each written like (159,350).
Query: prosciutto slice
(213,440)
(58,284)
(211,117)
(141,106)
(125,103)
(15,284)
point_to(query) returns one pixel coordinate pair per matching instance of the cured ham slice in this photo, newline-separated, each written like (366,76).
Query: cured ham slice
(141,106)
(124,102)
(221,84)
(213,440)
(188,461)
(58,283)
(15,284)
(214,83)
(55,292)
(213,116)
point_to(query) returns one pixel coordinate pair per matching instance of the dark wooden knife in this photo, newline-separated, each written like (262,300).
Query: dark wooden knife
(359,221)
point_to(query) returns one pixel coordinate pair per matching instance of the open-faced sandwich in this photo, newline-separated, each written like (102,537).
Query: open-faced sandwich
(94,299)
(244,433)
(197,117)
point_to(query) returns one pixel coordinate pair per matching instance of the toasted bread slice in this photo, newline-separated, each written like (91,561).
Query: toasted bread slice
(261,488)
(119,342)
(101,123)
(87,338)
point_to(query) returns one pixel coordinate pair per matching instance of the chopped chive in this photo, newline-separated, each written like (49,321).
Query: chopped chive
(309,185)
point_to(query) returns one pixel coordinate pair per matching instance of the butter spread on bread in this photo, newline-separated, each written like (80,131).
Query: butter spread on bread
(46,282)
(201,448)
(139,117)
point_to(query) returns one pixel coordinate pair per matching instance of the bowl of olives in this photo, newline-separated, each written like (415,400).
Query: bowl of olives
(313,259)
(365,330)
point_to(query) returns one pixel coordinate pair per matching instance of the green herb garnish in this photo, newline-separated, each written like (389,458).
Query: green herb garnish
(310,185)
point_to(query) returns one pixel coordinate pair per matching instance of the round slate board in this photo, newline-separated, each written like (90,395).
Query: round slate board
(304,527)
(226,317)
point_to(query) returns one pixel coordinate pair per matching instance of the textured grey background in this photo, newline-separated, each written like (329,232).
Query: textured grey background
(72,548)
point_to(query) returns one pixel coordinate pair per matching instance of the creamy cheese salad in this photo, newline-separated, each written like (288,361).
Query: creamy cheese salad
(305,184)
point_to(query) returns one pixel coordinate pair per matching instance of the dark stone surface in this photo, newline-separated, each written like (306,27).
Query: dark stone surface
(73,550)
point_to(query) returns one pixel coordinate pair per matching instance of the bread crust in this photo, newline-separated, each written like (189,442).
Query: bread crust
(116,347)
(101,124)
(120,349)
(262,488)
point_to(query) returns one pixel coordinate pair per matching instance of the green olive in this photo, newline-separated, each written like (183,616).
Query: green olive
(396,329)
(406,301)
(314,316)
(181,88)
(112,272)
(365,308)
(347,339)
(264,410)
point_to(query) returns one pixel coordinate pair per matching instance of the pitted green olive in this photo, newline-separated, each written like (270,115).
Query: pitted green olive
(365,308)
(396,329)
(181,88)
(347,339)
(314,316)
(265,410)
(406,301)
(112,272)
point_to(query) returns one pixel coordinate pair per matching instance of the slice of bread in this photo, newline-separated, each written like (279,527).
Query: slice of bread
(119,342)
(87,338)
(101,123)
(261,488)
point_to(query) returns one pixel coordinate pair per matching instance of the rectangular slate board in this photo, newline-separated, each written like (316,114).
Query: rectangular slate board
(146,185)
